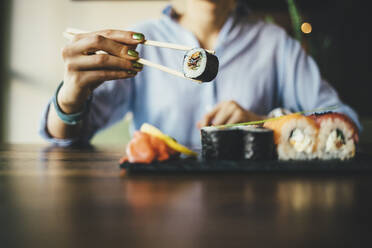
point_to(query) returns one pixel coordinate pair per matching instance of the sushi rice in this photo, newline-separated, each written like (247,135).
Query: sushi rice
(295,136)
(337,137)
(195,63)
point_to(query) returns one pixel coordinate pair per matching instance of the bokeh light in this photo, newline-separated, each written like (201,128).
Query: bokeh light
(306,28)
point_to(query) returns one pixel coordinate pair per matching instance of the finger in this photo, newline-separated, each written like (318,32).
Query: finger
(93,43)
(99,62)
(125,37)
(236,117)
(131,49)
(91,78)
(223,114)
(207,119)
(199,125)
(137,66)
(221,117)
(202,123)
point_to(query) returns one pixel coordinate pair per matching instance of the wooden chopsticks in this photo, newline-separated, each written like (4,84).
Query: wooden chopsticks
(71,32)
(172,46)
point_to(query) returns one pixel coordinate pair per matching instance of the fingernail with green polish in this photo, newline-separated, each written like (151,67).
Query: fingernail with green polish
(132,53)
(137,65)
(138,36)
(131,72)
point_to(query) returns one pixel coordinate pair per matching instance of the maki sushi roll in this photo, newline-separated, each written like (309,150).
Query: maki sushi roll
(258,143)
(338,136)
(224,144)
(200,65)
(237,143)
(295,136)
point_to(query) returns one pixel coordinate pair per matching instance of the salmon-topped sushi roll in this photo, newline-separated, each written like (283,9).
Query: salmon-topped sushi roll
(295,136)
(338,136)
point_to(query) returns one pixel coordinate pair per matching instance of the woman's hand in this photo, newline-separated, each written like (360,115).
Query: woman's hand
(228,112)
(85,70)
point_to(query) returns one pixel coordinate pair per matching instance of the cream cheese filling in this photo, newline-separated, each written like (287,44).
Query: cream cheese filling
(300,141)
(334,141)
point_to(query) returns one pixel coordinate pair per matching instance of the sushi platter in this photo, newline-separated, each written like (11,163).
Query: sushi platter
(326,142)
(360,164)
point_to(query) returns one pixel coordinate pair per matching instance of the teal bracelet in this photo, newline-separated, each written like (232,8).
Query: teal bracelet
(69,119)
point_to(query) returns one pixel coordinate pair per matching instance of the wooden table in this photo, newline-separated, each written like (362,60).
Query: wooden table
(54,197)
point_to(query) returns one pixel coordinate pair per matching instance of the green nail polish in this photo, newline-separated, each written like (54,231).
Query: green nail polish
(137,65)
(138,36)
(131,72)
(132,53)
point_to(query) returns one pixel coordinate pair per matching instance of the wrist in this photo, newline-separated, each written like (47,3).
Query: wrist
(72,118)
(71,100)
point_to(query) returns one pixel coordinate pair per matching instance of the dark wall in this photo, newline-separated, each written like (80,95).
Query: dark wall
(340,43)
(342,46)
(4,59)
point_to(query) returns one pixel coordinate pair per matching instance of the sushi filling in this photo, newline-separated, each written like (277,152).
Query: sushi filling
(300,141)
(195,60)
(195,64)
(335,141)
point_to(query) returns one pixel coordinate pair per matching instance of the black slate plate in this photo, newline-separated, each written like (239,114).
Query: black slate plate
(361,163)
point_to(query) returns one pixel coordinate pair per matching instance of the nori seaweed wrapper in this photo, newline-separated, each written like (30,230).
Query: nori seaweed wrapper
(222,144)
(259,144)
(211,70)
(237,144)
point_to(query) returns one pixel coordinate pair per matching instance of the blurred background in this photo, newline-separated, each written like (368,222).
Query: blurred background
(335,33)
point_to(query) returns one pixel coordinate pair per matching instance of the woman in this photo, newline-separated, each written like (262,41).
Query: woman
(261,68)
